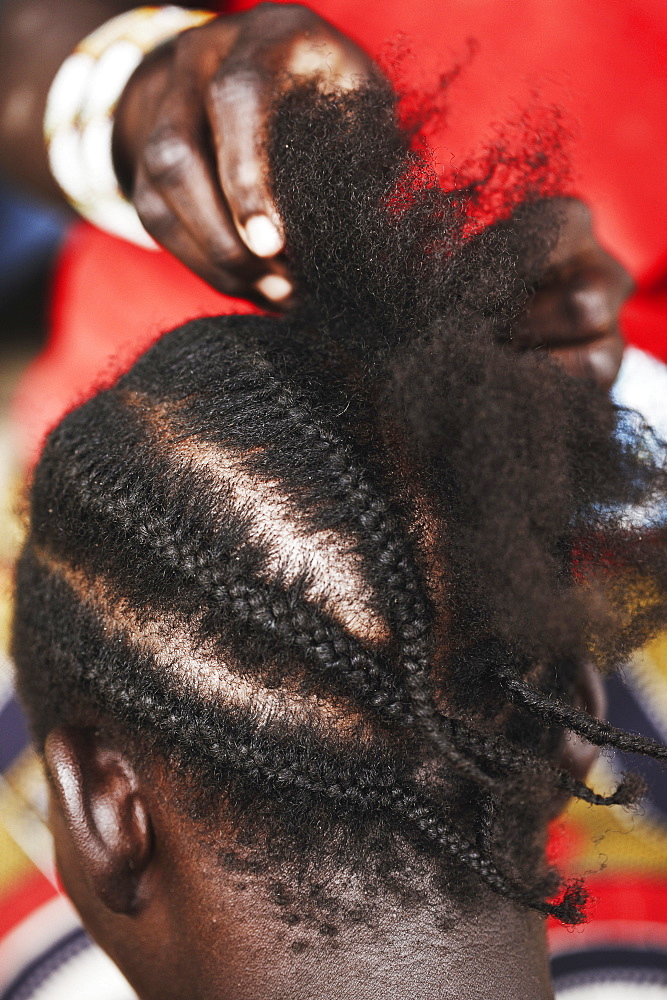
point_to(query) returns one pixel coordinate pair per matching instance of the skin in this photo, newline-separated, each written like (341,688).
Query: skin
(188,151)
(188,136)
(576,312)
(152,892)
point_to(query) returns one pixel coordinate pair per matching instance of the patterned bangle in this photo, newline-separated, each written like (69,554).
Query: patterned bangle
(79,117)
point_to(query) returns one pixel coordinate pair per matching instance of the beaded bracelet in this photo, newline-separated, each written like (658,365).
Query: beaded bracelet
(80,108)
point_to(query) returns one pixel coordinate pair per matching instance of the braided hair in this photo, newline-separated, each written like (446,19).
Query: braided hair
(342,570)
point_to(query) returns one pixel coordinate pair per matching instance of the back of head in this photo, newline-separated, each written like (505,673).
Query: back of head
(342,571)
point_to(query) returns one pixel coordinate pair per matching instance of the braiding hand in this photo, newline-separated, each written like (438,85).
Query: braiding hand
(188,147)
(189,153)
(575,312)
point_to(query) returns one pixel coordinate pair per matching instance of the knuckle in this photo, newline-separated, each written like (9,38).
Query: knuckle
(264,8)
(621,279)
(235,84)
(602,361)
(590,309)
(300,13)
(168,156)
(243,182)
(579,210)
(280,20)
(285,11)
(155,215)
(187,43)
(228,259)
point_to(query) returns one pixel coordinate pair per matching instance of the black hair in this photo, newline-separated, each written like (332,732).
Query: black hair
(342,569)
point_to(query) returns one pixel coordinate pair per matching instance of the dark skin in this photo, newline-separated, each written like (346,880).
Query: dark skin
(151,891)
(187,151)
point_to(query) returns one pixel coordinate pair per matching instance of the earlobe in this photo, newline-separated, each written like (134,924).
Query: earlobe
(578,755)
(106,819)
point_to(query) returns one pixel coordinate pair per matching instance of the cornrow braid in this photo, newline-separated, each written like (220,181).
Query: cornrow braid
(148,707)
(395,569)
(394,564)
(509,758)
(233,589)
(554,712)
(321,643)
(335,779)
(267,527)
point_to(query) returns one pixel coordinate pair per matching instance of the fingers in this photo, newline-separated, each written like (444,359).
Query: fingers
(576,317)
(179,202)
(583,305)
(173,167)
(238,107)
(251,281)
(238,102)
(577,321)
(599,361)
(275,44)
(266,290)
(194,143)
(575,314)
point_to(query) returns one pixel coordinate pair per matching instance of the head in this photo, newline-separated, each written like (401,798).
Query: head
(308,606)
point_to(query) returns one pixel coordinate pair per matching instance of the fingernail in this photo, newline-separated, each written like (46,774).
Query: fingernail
(274,287)
(262,237)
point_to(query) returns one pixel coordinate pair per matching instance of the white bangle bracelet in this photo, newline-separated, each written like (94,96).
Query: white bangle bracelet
(79,116)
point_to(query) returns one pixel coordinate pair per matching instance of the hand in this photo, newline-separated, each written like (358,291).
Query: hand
(575,312)
(188,139)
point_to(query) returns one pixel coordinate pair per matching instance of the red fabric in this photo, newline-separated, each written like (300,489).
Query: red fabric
(22,899)
(626,909)
(604,63)
(621,896)
(111,300)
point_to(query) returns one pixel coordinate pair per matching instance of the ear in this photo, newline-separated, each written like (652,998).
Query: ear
(578,755)
(105,818)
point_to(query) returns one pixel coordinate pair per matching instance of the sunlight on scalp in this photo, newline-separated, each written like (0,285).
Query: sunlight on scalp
(294,550)
(171,644)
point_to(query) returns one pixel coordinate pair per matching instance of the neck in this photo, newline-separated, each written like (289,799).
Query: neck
(247,950)
(482,958)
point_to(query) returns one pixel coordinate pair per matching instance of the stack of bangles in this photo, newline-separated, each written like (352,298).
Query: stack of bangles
(79,117)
